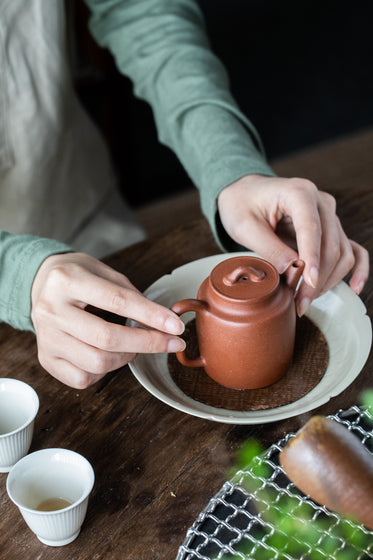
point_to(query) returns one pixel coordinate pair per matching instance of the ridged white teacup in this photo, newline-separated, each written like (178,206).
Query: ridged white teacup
(51,489)
(19,405)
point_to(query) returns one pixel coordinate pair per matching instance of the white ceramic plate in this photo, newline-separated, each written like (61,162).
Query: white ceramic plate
(339,314)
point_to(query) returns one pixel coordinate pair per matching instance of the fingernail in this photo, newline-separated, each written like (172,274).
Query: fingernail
(176,345)
(313,276)
(359,288)
(303,306)
(174,325)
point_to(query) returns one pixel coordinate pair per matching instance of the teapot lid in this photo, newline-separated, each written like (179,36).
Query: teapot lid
(244,278)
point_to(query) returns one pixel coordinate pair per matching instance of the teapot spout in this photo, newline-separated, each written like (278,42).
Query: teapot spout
(293,273)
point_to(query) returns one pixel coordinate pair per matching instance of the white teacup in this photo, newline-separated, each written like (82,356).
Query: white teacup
(51,489)
(19,405)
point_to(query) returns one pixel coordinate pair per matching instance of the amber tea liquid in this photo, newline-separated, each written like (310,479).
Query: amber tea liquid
(53,504)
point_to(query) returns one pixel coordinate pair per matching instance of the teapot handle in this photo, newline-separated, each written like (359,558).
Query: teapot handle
(293,273)
(179,308)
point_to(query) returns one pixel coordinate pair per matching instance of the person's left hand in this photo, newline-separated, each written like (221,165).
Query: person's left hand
(78,347)
(286,219)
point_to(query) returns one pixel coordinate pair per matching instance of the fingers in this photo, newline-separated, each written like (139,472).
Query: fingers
(255,209)
(90,362)
(301,204)
(360,271)
(333,253)
(267,244)
(75,364)
(249,211)
(77,347)
(266,214)
(111,337)
(69,374)
(338,253)
(339,256)
(110,291)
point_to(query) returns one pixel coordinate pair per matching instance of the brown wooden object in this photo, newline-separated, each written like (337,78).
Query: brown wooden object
(331,465)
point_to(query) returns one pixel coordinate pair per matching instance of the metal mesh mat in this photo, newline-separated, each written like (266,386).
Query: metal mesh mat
(240,523)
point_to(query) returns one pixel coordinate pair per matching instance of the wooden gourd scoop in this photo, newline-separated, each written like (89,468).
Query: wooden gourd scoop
(330,464)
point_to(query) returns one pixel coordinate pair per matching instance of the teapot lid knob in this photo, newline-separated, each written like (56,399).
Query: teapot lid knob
(244,278)
(244,274)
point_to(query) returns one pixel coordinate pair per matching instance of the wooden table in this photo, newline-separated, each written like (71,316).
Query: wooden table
(156,467)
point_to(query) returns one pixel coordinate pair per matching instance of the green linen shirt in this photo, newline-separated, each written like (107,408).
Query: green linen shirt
(163,48)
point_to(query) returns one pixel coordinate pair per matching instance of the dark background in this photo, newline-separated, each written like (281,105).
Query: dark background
(301,71)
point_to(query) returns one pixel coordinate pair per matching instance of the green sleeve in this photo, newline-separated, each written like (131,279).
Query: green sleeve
(162,47)
(20,258)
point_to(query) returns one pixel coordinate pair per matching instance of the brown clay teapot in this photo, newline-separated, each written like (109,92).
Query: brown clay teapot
(245,322)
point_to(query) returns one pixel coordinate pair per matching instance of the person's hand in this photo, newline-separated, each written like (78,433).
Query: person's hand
(285,219)
(78,347)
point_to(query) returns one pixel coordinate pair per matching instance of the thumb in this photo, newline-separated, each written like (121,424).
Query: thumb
(260,237)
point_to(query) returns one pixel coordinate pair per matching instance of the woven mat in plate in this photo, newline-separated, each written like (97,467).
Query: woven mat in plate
(310,361)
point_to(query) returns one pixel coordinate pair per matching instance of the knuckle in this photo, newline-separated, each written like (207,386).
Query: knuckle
(329,201)
(78,379)
(42,310)
(82,381)
(151,346)
(105,339)
(65,275)
(314,227)
(98,362)
(118,301)
(364,253)
(304,186)
(349,259)
(151,343)
(61,275)
(334,251)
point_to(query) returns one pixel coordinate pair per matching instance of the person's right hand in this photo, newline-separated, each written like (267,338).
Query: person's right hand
(76,346)
(284,219)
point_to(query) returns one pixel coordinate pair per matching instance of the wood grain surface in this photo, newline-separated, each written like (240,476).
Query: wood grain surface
(156,467)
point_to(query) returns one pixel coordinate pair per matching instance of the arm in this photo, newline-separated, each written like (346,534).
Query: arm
(44,287)
(20,259)
(162,47)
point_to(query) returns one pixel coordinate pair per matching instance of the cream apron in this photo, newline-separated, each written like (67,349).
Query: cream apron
(56,179)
